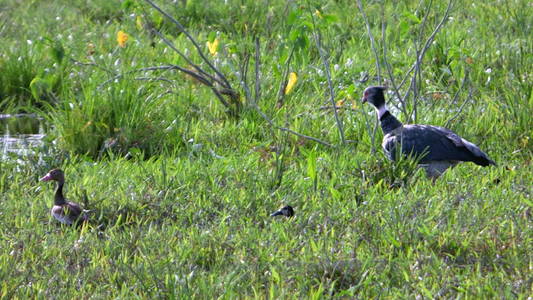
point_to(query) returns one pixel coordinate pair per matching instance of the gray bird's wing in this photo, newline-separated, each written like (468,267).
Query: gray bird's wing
(434,144)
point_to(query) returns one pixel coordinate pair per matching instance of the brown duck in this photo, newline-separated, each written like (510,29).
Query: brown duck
(64,211)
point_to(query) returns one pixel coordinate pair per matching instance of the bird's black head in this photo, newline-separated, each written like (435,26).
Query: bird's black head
(286,211)
(374,95)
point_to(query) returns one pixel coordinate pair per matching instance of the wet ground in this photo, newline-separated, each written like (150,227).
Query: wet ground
(20,133)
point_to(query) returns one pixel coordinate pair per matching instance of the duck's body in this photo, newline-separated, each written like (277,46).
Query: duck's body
(437,148)
(66,212)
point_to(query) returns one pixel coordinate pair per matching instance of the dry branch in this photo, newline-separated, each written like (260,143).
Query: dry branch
(193,41)
(257,71)
(372,41)
(264,116)
(463,83)
(200,74)
(325,62)
(419,57)
(283,83)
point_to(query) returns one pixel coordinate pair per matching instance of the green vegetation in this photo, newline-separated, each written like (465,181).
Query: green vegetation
(180,187)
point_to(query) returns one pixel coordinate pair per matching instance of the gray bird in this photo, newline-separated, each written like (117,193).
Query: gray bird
(438,148)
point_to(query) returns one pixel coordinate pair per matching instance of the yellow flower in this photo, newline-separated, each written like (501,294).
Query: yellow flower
(340,103)
(318,13)
(293,78)
(122,38)
(213,47)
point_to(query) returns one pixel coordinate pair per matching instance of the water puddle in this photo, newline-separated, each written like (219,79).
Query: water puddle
(19,134)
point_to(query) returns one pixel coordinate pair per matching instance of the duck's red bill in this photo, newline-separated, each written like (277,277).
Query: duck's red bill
(46,177)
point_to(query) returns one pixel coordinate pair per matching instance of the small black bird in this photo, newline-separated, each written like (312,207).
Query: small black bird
(439,148)
(286,211)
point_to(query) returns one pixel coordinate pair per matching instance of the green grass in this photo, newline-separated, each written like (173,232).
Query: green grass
(181,192)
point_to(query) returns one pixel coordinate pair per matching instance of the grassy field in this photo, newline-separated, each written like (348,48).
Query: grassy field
(181,186)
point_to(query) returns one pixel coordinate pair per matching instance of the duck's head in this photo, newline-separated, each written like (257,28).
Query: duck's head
(374,95)
(286,211)
(55,174)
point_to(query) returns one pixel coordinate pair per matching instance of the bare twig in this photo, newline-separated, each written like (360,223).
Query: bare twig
(257,71)
(455,97)
(460,108)
(195,66)
(378,69)
(264,116)
(420,54)
(218,77)
(156,68)
(155,79)
(371,132)
(158,96)
(193,41)
(465,79)
(416,80)
(243,74)
(283,83)
(387,65)
(424,20)
(372,41)
(406,76)
(325,62)
(193,74)
(414,87)
(463,83)
(91,64)
(327,107)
